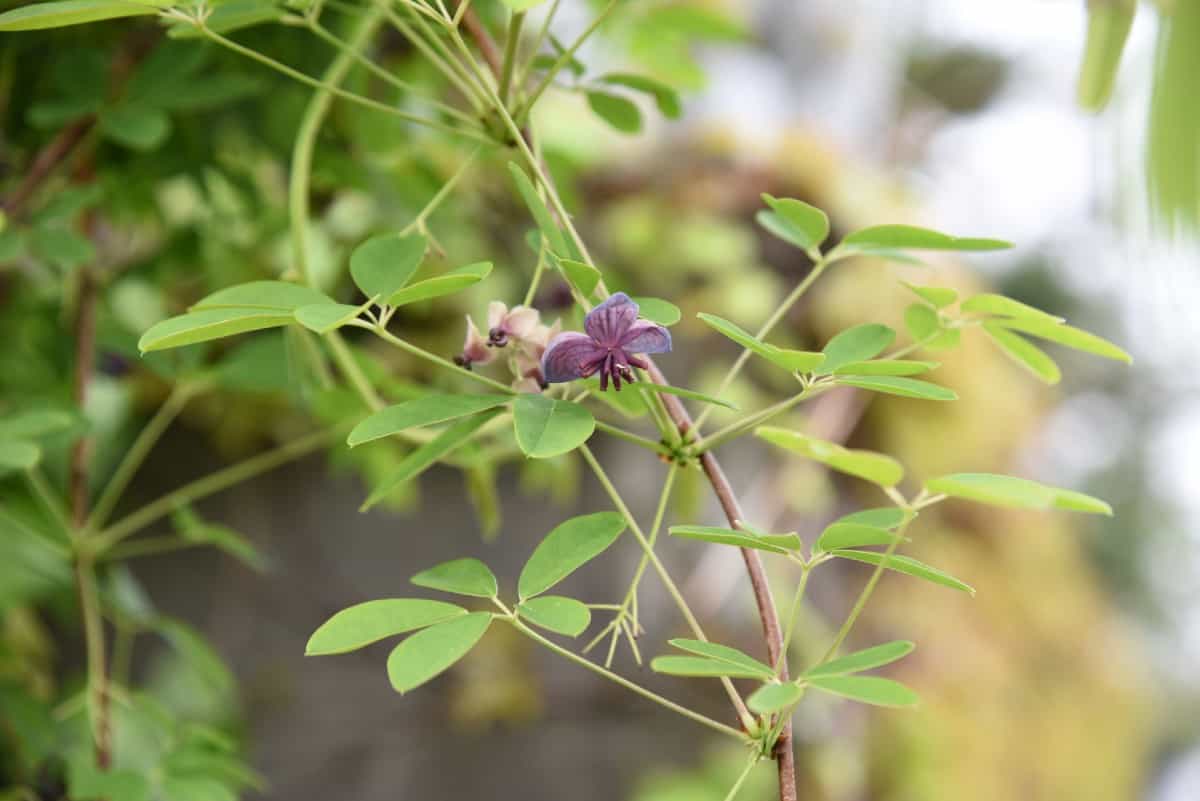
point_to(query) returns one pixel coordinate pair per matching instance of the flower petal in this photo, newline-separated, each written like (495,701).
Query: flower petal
(646,337)
(608,322)
(567,354)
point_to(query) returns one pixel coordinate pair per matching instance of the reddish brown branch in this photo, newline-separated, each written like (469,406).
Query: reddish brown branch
(45,162)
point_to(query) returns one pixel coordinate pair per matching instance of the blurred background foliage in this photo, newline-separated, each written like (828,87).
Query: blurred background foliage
(1060,680)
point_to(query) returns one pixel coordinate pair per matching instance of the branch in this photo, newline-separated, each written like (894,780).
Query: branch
(47,160)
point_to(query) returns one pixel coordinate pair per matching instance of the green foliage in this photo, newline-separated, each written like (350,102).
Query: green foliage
(906,565)
(459,576)
(866,659)
(775,543)
(866,689)
(1017,493)
(868,465)
(795,221)
(570,546)
(421,412)
(432,651)
(556,613)
(383,265)
(548,427)
(365,623)
(70,12)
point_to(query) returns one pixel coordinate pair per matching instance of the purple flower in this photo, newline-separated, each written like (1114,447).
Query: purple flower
(614,333)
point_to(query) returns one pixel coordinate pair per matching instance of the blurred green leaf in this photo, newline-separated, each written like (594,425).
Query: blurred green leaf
(18,454)
(866,659)
(362,624)
(1024,353)
(35,16)
(619,112)
(1013,492)
(382,265)
(666,98)
(937,296)
(135,126)
(35,423)
(690,394)
(581,275)
(572,544)
(447,284)
(790,360)
(724,653)
(460,576)
(875,467)
(857,344)
(1069,336)
(194,529)
(882,517)
(898,385)
(658,311)
(908,566)
(1109,22)
(867,689)
(775,543)
(794,221)
(774,697)
(908,236)
(423,457)
(885,367)
(541,215)
(988,303)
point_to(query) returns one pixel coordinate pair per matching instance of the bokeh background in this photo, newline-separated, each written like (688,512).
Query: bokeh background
(1071,674)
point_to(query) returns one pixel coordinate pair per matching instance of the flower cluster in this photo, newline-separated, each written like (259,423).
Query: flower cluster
(520,327)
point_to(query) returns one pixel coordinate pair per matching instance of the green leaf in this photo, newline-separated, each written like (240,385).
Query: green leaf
(547,427)
(867,689)
(572,544)
(775,543)
(658,311)
(630,404)
(87,782)
(866,659)
(774,697)
(583,276)
(61,246)
(908,566)
(381,266)
(882,517)
(460,576)
(1069,336)
(419,460)
(428,653)
(562,615)
(522,5)
(794,221)
(885,367)
(899,237)
(208,324)
(619,112)
(281,296)
(446,284)
(321,318)
(362,624)
(852,535)
(35,423)
(229,16)
(541,215)
(666,98)
(857,344)
(724,653)
(701,667)
(988,303)
(937,296)
(1013,492)
(790,360)
(665,389)
(921,321)
(875,467)
(897,385)
(1026,354)
(1108,28)
(423,411)
(136,126)
(16,454)
(36,16)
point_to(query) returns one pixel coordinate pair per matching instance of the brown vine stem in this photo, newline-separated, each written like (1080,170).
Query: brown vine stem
(784,755)
(45,162)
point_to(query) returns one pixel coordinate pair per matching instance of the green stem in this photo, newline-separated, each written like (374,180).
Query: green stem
(510,53)
(734,430)
(423,216)
(867,590)
(629,436)
(138,452)
(537,275)
(365,102)
(793,614)
(210,484)
(655,527)
(54,505)
(538,41)
(564,58)
(770,324)
(421,353)
(626,683)
(93,633)
(404,86)
(452,71)
(741,779)
(150,546)
(672,589)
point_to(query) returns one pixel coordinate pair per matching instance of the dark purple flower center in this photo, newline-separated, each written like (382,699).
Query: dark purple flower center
(613,362)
